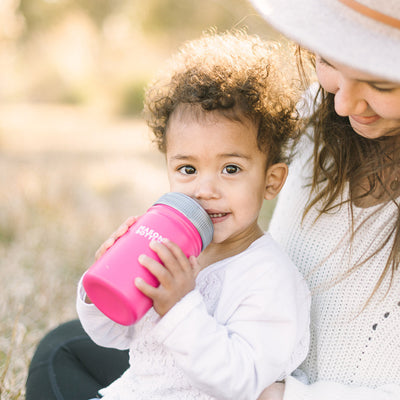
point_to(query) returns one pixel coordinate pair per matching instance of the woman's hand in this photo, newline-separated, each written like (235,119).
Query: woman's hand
(273,392)
(116,235)
(177,276)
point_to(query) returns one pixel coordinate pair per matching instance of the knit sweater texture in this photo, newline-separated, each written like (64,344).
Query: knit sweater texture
(355,339)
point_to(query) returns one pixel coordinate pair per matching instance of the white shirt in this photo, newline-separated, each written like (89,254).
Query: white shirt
(354,350)
(244,326)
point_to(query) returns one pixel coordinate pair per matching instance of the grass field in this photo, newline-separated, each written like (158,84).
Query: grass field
(68,178)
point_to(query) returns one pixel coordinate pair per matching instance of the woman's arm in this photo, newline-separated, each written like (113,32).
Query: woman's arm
(293,389)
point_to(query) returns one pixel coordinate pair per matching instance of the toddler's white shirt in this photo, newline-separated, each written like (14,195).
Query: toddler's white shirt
(244,326)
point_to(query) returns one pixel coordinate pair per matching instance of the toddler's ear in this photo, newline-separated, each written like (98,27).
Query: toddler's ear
(275,178)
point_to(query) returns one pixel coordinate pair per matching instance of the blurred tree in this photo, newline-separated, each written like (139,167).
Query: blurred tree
(175,18)
(102,51)
(12,23)
(42,13)
(185,18)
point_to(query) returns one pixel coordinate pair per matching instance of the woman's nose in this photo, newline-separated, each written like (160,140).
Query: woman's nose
(349,99)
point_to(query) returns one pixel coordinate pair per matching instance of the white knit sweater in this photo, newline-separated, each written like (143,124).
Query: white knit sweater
(355,350)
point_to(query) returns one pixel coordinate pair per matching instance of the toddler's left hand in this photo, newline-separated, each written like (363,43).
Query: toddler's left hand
(273,392)
(177,276)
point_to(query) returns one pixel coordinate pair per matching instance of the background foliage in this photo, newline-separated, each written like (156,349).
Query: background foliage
(102,51)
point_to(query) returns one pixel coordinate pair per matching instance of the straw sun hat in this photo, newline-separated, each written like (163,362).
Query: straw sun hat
(362,34)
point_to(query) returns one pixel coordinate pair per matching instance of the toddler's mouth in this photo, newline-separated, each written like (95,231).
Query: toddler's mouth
(217,215)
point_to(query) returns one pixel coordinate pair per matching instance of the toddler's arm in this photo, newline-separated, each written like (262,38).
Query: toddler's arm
(102,330)
(258,336)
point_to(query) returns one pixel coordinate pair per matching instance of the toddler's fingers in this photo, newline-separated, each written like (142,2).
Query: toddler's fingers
(155,268)
(166,256)
(122,229)
(172,256)
(195,265)
(127,224)
(145,288)
(104,247)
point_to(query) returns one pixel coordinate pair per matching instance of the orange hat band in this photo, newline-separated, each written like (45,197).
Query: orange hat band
(371,13)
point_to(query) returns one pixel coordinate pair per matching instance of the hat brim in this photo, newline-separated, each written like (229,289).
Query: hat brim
(338,33)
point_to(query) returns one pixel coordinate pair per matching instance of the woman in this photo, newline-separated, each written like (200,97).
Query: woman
(343,191)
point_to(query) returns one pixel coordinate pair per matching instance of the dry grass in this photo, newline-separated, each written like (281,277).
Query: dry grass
(68,178)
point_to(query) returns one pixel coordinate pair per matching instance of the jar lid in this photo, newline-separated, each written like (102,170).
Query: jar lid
(193,211)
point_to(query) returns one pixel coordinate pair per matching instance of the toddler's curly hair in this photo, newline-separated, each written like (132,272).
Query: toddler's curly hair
(236,74)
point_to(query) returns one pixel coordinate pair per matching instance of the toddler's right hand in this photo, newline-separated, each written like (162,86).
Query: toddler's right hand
(117,234)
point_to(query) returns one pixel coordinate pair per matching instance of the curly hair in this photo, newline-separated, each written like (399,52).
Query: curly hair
(236,74)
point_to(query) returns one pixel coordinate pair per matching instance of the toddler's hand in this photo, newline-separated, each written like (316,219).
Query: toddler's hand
(273,392)
(117,234)
(177,276)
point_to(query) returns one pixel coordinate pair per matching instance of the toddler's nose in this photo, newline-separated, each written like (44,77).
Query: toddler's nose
(206,188)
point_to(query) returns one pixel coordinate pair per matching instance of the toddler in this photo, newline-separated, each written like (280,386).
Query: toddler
(235,319)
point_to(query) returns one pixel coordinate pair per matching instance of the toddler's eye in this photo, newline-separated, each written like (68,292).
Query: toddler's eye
(231,169)
(187,170)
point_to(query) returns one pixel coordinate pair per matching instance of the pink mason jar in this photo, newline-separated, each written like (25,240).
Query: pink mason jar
(109,282)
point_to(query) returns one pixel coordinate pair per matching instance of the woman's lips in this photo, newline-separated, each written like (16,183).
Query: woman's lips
(364,120)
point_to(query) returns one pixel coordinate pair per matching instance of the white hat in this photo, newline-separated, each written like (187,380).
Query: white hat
(362,34)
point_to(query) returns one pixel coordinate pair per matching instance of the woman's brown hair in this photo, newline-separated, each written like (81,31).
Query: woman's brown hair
(341,159)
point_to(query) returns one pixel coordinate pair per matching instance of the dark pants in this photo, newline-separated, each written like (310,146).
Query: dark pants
(67,365)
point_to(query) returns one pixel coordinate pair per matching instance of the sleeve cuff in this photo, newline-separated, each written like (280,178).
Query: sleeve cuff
(176,315)
(84,309)
(295,390)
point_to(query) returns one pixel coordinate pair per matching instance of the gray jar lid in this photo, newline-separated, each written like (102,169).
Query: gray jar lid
(193,211)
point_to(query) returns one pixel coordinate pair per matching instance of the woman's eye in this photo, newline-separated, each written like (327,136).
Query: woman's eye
(383,89)
(187,170)
(231,169)
(323,62)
